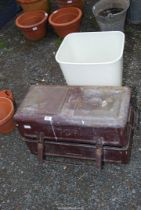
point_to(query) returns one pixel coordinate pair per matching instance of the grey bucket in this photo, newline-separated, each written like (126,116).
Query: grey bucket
(134,12)
(111,22)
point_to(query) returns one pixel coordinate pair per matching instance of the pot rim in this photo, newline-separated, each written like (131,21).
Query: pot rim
(65,10)
(27,1)
(33,25)
(11,112)
(119,13)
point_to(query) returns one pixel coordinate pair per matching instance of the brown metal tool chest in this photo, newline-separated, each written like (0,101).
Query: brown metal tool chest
(79,122)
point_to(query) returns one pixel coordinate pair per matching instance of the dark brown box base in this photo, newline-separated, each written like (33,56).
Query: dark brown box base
(99,152)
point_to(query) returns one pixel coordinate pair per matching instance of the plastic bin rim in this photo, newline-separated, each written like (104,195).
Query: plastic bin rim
(95,63)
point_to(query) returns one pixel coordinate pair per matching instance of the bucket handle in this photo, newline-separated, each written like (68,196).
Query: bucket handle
(93,9)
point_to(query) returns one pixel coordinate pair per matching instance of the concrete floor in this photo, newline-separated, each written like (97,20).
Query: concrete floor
(27,184)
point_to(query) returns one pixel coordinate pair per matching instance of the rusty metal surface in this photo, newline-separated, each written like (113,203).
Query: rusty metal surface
(81,106)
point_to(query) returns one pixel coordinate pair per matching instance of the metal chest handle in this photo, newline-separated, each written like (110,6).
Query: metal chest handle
(99,153)
(40,146)
(99,150)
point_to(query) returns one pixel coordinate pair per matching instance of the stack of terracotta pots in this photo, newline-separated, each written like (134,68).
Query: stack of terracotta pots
(70,3)
(32,5)
(67,19)
(33,20)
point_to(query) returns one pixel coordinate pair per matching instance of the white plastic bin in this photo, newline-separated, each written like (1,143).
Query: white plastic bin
(92,58)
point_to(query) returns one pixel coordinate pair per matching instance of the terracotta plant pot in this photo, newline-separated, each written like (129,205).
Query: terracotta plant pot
(7,123)
(70,3)
(6,94)
(33,24)
(66,20)
(32,5)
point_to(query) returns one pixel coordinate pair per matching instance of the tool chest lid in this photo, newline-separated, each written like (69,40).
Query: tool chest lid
(95,106)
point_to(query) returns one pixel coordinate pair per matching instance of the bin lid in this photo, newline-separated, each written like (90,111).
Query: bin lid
(88,106)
